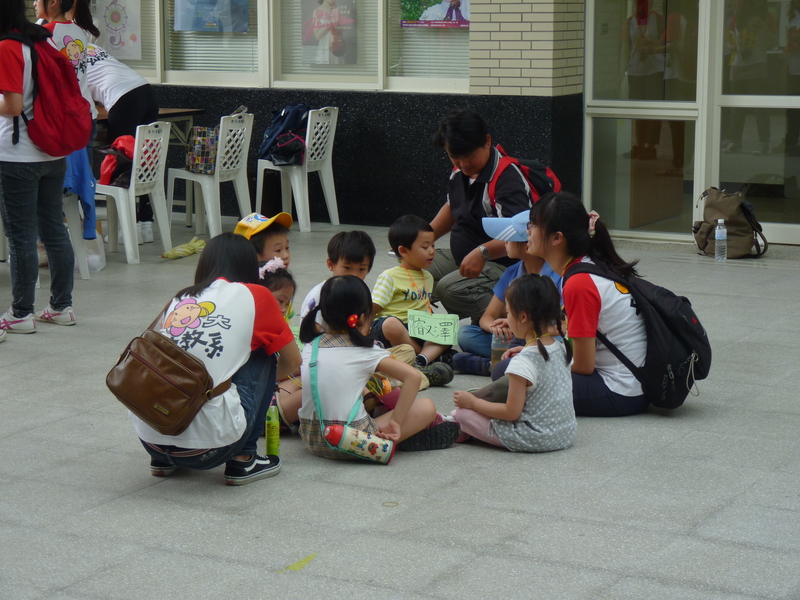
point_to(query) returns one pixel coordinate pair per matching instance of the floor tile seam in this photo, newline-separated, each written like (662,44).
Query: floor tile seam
(732,544)
(789,552)
(87,578)
(692,585)
(40,424)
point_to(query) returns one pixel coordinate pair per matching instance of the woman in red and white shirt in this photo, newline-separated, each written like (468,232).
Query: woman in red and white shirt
(31,186)
(563,233)
(235,327)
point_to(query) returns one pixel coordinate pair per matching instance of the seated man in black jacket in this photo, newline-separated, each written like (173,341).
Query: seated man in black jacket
(466,274)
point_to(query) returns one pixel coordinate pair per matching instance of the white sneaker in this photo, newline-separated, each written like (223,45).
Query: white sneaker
(12,324)
(59,317)
(139,234)
(761,149)
(147,231)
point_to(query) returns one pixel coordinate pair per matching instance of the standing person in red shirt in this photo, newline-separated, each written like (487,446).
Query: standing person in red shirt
(31,185)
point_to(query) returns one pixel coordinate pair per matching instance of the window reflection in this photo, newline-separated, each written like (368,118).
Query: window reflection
(653,194)
(646,50)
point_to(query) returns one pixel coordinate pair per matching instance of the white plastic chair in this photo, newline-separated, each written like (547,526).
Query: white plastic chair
(319,152)
(73,214)
(230,165)
(147,178)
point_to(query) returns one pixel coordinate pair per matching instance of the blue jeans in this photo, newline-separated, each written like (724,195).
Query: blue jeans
(255,381)
(31,202)
(592,398)
(473,339)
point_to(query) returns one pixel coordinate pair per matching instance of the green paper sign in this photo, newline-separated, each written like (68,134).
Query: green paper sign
(438,328)
(296,331)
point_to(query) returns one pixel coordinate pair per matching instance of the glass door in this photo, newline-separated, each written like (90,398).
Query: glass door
(682,95)
(759,109)
(642,113)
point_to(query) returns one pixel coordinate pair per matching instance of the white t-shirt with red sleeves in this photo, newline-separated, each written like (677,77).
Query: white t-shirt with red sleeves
(15,76)
(70,40)
(593,304)
(107,78)
(220,326)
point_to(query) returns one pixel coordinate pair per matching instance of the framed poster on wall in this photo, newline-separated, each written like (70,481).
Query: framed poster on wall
(221,16)
(330,36)
(427,13)
(120,29)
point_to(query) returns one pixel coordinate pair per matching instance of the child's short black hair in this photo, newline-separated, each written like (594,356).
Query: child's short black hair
(260,239)
(351,246)
(405,230)
(342,300)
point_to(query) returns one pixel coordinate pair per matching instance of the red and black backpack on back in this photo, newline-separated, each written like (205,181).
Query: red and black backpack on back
(540,177)
(62,117)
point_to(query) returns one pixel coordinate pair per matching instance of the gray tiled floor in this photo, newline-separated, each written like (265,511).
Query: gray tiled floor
(700,503)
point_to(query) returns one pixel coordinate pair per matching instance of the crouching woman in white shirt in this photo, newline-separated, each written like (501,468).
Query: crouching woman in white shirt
(235,326)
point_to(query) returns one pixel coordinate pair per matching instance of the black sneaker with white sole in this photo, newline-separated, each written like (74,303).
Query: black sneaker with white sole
(239,472)
(161,469)
(438,437)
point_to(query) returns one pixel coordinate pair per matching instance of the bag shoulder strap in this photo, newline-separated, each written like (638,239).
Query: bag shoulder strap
(601,272)
(18,37)
(750,216)
(312,371)
(502,164)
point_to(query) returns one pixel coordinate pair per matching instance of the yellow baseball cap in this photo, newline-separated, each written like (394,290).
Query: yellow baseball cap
(255,222)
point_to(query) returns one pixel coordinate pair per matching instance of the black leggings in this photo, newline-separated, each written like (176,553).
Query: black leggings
(137,107)
(592,398)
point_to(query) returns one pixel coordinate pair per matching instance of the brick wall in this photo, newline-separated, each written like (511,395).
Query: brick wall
(526,47)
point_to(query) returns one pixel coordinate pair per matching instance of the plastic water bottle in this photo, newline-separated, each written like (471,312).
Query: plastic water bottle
(499,347)
(273,430)
(360,443)
(720,242)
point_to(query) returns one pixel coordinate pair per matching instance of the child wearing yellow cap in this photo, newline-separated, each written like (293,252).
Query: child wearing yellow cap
(270,238)
(269,235)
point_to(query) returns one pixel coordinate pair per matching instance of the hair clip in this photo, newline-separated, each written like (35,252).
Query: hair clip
(352,321)
(593,217)
(271,266)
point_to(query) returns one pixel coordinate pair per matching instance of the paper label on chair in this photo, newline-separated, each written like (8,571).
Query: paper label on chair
(439,328)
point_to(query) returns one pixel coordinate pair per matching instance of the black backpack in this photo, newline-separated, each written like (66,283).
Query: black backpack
(678,350)
(292,119)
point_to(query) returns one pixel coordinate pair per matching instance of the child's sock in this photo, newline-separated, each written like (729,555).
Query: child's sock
(437,420)
(422,360)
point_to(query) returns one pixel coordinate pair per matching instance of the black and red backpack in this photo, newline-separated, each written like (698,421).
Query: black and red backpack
(540,177)
(62,119)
